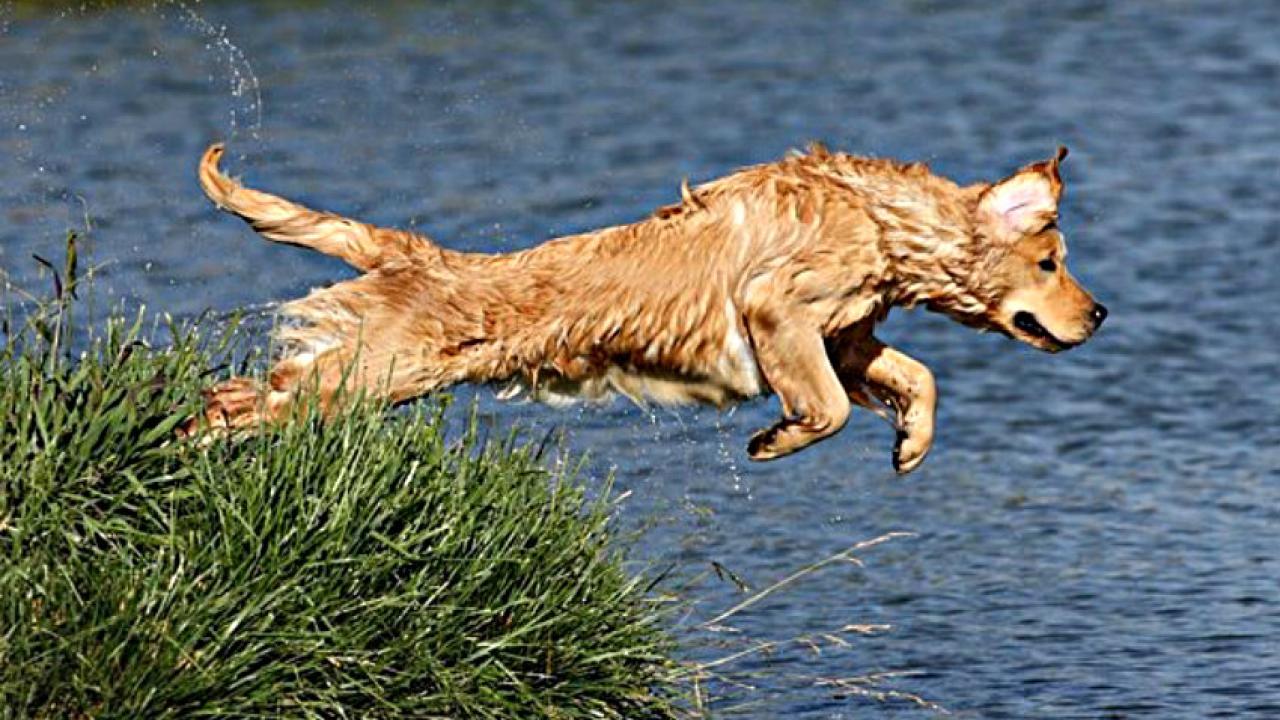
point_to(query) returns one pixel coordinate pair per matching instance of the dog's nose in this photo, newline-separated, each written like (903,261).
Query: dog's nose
(1099,314)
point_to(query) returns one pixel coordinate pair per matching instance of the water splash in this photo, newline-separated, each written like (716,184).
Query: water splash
(50,199)
(724,450)
(244,81)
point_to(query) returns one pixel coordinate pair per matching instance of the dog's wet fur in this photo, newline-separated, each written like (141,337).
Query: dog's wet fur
(771,279)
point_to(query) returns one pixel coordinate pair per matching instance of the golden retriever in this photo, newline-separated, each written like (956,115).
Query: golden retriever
(771,279)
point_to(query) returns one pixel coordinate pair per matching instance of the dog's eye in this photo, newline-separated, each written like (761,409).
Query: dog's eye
(1048,265)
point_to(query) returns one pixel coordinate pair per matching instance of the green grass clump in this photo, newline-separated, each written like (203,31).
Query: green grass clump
(365,567)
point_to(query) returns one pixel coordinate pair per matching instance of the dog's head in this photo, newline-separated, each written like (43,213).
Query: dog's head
(1032,296)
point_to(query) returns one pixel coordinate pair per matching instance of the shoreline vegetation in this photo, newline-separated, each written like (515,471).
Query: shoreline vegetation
(366,566)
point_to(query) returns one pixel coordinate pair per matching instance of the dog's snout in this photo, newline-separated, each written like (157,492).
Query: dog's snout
(1099,314)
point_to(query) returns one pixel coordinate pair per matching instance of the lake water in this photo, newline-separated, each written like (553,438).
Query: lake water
(1096,533)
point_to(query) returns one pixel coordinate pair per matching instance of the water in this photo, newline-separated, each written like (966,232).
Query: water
(1096,533)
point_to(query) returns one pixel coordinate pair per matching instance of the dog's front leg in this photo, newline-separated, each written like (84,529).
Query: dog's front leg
(899,380)
(794,362)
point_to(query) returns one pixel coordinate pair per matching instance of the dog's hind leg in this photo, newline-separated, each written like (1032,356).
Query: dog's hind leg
(360,244)
(242,403)
(325,381)
(360,338)
(899,380)
(793,359)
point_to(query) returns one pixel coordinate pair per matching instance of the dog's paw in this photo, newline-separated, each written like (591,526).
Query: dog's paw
(910,450)
(762,445)
(232,405)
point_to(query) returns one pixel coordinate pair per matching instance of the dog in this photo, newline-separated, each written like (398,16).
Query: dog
(768,280)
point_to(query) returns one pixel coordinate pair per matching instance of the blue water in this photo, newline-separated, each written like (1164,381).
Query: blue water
(1096,533)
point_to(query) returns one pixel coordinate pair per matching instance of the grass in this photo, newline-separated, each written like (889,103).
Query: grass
(370,566)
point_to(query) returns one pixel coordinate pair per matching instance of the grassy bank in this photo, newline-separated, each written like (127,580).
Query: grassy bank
(368,567)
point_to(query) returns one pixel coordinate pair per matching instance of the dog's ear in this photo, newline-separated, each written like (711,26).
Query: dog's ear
(1050,170)
(1026,200)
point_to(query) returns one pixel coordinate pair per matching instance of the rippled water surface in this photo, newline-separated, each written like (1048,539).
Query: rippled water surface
(1096,532)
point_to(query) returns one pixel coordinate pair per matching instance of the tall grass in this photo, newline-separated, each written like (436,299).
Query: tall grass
(369,566)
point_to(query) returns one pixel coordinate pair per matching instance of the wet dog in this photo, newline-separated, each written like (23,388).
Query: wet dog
(771,279)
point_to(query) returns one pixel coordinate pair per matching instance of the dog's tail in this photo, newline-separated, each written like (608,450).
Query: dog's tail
(362,245)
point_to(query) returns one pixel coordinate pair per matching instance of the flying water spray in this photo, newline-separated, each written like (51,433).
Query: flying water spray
(244,83)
